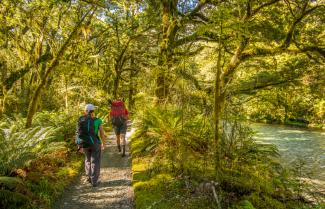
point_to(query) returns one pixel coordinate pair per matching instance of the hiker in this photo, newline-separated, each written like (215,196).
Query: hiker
(119,116)
(89,142)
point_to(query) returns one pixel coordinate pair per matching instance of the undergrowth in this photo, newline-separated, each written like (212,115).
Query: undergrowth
(36,164)
(174,159)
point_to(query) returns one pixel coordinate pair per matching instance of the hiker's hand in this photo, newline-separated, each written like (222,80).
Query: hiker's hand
(81,150)
(103,147)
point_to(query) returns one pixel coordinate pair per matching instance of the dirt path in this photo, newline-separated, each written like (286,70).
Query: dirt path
(115,189)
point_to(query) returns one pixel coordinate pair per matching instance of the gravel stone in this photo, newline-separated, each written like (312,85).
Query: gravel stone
(114,189)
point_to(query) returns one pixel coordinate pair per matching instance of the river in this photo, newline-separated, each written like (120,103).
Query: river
(296,144)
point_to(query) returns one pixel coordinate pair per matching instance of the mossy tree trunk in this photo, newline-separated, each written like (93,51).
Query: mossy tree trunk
(116,83)
(132,83)
(218,101)
(53,64)
(169,30)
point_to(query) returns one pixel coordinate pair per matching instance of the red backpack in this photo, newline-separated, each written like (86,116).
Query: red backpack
(118,113)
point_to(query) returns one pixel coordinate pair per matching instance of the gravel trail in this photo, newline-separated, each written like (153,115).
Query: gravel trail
(114,191)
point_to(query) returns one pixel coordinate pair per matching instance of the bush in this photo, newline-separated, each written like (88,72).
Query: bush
(248,173)
(178,144)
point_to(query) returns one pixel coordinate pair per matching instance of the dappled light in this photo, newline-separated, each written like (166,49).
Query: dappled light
(170,104)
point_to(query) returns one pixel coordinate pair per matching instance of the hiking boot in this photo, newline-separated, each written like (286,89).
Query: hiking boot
(119,148)
(96,184)
(123,153)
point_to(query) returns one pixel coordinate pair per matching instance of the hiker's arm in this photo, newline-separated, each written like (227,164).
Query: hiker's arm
(102,135)
(79,147)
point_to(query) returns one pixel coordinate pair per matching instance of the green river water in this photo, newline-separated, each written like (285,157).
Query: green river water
(296,145)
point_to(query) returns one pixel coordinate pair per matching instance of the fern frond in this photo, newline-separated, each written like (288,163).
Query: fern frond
(18,145)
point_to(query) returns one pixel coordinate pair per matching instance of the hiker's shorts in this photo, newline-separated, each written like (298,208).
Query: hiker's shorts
(120,129)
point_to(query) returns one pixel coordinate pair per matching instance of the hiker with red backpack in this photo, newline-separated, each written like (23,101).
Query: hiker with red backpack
(90,143)
(119,116)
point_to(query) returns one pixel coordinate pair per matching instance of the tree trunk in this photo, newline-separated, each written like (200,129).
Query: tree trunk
(161,85)
(3,102)
(66,93)
(131,86)
(169,30)
(116,84)
(33,103)
(218,104)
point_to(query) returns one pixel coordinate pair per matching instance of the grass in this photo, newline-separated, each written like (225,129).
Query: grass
(158,190)
(163,190)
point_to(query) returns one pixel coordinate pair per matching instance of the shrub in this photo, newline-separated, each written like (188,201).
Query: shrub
(176,143)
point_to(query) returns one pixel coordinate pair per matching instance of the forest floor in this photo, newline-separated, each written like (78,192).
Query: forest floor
(114,190)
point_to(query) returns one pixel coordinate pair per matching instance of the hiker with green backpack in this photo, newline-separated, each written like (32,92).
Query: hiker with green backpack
(119,116)
(90,143)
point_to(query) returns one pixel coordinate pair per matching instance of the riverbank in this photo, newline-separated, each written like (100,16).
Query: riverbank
(248,176)
(297,124)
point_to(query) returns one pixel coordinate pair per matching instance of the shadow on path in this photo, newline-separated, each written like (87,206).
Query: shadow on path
(114,191)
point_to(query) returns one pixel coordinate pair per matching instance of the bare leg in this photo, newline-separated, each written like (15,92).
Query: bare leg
(118,142)
(122,137)
(123,144)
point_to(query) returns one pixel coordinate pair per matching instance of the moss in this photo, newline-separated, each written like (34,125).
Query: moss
(14,194)
(263,201)
(14,200)
(244,182)
(296,124)
(10,182)
(245,204)
(163,190)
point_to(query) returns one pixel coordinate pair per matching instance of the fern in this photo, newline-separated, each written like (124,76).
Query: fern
(52,147)
(65,127)
(18,146)
(175,142)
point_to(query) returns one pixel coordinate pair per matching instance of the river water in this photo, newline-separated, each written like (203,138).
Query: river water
(296,145)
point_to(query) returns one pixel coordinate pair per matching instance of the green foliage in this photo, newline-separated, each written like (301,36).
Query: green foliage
(18,146)
(63,122)
(169,145)
(49,182)
(245,204)
(176,142)
(14,200)
(265,201)
(44,191)
(13,193)
(10,182)
(271,59)
(163,190)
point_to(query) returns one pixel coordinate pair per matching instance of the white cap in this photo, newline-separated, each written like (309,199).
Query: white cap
(89,107)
